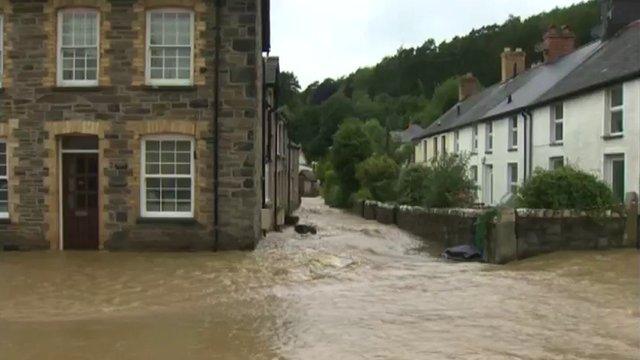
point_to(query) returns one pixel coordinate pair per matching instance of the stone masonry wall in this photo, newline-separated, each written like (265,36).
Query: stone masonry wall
(121,111)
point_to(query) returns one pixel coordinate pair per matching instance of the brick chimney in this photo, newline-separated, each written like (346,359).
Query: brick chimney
(558,43)
(468,85)
(513,63)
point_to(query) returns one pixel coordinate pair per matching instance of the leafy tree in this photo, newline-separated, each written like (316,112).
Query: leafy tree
(288,89)
(412,184)
(565,188)
(377,175)
(350,147)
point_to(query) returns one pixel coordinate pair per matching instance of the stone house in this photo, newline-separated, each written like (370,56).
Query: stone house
(280,160)
(131,124)
(581,106)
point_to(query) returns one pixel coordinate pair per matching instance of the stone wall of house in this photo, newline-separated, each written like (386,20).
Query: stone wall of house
(121,111)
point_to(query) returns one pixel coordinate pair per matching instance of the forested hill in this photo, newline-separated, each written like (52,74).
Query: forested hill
(418,84)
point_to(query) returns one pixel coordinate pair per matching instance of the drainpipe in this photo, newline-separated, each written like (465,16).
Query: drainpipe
(525,145)
(276,163)
(530,141)
(216,123)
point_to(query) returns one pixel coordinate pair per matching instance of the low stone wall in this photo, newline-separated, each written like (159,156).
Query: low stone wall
(543,231)
(369,210)
(512,234)
(386,214)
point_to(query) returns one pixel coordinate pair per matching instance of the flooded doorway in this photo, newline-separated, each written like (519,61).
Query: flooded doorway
(79,202)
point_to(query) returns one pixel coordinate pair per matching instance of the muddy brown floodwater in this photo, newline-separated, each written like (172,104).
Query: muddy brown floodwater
(357,290)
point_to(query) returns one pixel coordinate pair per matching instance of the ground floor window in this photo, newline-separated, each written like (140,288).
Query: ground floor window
(615,175)
(512,177)
(4,185)
(556,162)
(167,176)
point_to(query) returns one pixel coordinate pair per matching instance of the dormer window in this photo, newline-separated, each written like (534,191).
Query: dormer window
(78,51)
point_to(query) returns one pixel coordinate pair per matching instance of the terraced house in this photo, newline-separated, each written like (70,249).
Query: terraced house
(581,106)
(131,124)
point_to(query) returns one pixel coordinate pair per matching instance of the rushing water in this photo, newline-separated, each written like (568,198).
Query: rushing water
(357,290)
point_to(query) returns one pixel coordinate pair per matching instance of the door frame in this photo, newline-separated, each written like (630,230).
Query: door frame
(61,152)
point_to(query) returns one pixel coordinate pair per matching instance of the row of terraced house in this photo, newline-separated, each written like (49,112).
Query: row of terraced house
(581,106)
(140,124)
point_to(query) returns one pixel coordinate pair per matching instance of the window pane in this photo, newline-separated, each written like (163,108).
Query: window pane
(152,145)
(616,96)
(153,183)
(616,121)
(559,129)
(183,169)
(617,180)
(559,111)
(152,169)
(153,206)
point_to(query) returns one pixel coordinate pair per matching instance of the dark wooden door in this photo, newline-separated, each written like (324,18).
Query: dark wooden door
(80,206)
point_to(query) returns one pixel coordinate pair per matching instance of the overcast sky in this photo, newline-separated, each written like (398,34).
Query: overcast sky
(317,39)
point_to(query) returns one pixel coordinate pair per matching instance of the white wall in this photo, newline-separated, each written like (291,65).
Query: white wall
(583,145)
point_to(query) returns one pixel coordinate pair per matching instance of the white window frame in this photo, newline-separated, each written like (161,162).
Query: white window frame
(555,121)
(474,139)
(77,83)
(143,176)
(512,185)
(456,141)
(488,143)
(609,159)
(168,82)
(554,159)
(5,215)
(473,173)
(443,145)
(614,109)
(513,133)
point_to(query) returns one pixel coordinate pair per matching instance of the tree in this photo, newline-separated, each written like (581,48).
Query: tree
(288,89)
(377,175)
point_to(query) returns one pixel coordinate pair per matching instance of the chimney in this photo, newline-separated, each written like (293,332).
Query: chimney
(558,43)
(468,86)
(513,63)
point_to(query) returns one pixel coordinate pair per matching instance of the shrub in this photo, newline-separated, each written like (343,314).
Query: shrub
(412,184)
(565,188)
(378,174)
(448,182)
(443,183)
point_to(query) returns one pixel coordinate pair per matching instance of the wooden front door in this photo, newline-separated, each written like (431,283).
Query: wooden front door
(80,201)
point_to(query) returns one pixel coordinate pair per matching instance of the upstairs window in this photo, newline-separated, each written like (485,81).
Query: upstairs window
(443,143)
(424,150)
(78,54)
(488,147)
(557,123)
(170,47)
(474,139)
(4,182)
(167,177)
(513,133)
(615,112)
(435,147)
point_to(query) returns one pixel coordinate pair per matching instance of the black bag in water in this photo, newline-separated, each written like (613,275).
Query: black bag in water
(462,253)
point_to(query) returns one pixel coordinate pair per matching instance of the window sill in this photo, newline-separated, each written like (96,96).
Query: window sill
(189,87)
(167,221)
(488,152)
(556,144)
(512,149)
(613,136)
(79,88)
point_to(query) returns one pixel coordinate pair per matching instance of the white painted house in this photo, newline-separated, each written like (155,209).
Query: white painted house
(580,107)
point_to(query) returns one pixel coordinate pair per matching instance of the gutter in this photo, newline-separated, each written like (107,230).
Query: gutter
(216,124)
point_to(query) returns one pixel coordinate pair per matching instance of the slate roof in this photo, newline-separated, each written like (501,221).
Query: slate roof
(406,135)
(592,66)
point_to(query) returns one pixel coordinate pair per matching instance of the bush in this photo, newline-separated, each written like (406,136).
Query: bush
(412,184)
(565,188)
(378,174)
(443,183)
(448,183)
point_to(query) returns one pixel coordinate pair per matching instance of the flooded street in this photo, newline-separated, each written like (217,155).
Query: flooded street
(357,290)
